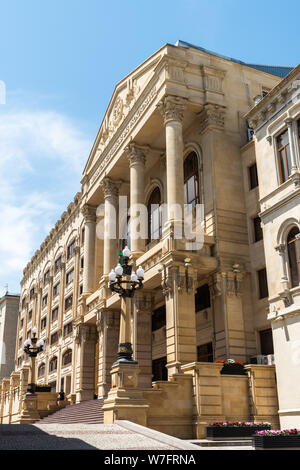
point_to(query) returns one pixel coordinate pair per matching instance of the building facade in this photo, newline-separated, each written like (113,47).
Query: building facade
(9,308)
(174,132)
(276,122)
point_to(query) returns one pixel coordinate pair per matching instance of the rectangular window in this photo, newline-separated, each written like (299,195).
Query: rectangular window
(205,353)
(258,233)
(56,289)
(202,298)
(23,302)
(68,328)
(159,370)
(29,315)
(31,293)
(266,342)
(21,323)
(46,276)
(69,302)
(80,289)
(57,264)
(71,249)
(70,276)
(263,283)
(82,263)
(159,318)
(82,235)
(253,177)
(54,338)
(284,156)
(45,300)
(43,323)
(54,314)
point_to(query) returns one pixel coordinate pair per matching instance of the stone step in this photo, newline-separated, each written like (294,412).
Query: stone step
(89,412)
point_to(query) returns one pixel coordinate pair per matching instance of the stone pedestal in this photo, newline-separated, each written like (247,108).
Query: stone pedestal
(125,400)
(29,413)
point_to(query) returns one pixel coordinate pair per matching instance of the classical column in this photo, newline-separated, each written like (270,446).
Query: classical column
(172,110)
(178,285)
(137,160)
(142,336)
(85,361)
(110,248)
(289,123)
(89,213)
(281,249)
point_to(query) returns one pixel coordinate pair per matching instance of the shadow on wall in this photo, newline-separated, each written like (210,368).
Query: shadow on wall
(30,437)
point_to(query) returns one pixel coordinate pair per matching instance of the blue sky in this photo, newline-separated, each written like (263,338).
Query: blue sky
(60,61)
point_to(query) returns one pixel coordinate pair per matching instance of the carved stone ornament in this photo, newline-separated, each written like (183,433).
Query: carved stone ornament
(109,188)
(212,116)
(172,108)
(89,213)
(117,112)
(136,154)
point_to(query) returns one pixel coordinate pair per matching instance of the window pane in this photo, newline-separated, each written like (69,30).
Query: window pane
(263,284)
(288,160)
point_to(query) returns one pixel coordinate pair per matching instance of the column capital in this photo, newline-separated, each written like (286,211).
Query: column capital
(89,213)
(171,108)
(109,187)
(288,121)
(281,248)
(136,153)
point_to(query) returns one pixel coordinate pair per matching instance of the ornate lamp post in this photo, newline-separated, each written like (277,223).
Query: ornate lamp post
(125,282)
(32,346)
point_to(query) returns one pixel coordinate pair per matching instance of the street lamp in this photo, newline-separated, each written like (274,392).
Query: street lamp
(125,282)
(32,346)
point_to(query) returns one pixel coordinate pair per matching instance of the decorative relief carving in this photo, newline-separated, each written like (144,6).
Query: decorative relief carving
(117,112)
(89,213)
(107,158)
(212,116)
(109,188)
(136,154)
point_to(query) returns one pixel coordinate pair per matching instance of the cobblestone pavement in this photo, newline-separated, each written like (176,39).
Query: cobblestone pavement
(72,436)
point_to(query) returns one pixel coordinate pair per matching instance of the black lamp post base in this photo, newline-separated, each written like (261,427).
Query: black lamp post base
(31,391)
(125,354)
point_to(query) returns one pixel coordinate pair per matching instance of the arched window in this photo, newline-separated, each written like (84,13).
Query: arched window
(67,357)
(53,364)
(154,215)
(293,257)
(284,156)
(41,370)
(191,180)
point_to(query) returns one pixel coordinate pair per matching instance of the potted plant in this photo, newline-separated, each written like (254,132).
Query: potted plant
(235,429)
(276,439)
(43,388)
(232,367)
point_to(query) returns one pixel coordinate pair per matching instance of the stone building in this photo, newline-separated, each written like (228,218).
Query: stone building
(174,132)
(9,307)
(276,121)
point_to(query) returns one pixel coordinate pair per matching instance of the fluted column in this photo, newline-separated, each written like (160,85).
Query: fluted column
(137,160)
(172,110)
(110,248)
(89,213)
(289,123)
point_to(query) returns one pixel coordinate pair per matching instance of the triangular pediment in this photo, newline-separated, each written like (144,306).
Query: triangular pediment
(123,100)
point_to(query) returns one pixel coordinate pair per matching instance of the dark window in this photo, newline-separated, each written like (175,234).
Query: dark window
(43,323)
(266,342)
(23,302)
(82,235)
(46,276)
(294,261)
(54,338)
(284,156)
(57,264)
(253,178)
(41,370)
(263,283)
(159,318)
(68,329)
(80,289)
(71,249)
(82,262)
(70,276)
(191,180)
(154,215)
(21,323)
(67,357)
(258,233)
(56,289)
(45,300)
(54,315)
(159,370)
(31,293)
(69,302)
(29,315)
(20,341)
(205,353)
(53,364)
(202,298)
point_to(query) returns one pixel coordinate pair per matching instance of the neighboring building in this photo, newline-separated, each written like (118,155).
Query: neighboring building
(173,132)
(9,307)
(276,121)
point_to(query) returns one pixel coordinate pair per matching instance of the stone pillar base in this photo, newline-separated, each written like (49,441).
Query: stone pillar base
(29,413)
(84,395)
(125,400)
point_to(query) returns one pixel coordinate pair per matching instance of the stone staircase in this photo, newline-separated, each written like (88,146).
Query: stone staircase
(86,412)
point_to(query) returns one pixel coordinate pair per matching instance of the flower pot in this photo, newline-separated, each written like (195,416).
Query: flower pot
(276,442)
(219,432)
(233,369)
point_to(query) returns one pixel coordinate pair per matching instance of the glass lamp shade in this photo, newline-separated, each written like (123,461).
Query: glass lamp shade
(34,330)
(112,276)
(140,272)
(119,270)
(40,343)
(133,277)
(126,252)
(27,342)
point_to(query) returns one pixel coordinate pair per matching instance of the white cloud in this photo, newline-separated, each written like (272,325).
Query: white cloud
(41,158)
